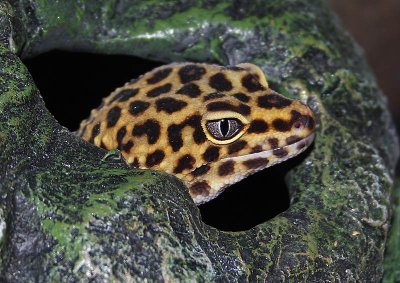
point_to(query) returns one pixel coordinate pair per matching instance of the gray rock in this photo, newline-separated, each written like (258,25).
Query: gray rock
(66,215)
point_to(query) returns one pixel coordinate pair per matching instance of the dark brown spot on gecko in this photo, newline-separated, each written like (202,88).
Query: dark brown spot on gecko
(184,163)
(258,126)
(95,132)
(270,101)
(236,146)
(220,106)
(280,152)
(195,122)
(242,97)
(192,90)
(310,123)
(135,163)
(113,116)
(298,120)
(138,107)
(220,82)
(175,132)
(234,68)
(155,158)
(200,171)
(211,154)
(175,137)
(159,76)
(103,145)
(226,168)
(282,125)
(244,109)
(301,145)
(190,73)
(251,83)
(200,188)
(170,105)
(292,139)
(120,136)
(159,90)
(213,95)
(127,146)
(273,142)
(124,95)
(256,163)
(257,148)
(296,115)
(151,128)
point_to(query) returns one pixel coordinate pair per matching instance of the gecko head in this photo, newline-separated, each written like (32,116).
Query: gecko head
(209,125)
(247,129)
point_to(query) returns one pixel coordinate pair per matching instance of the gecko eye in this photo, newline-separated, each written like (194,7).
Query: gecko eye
(224,129)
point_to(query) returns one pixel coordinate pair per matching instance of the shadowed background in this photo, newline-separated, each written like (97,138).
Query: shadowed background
(375,25)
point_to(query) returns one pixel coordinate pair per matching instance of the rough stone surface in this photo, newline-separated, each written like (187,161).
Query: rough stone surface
(68,215)
(392,253)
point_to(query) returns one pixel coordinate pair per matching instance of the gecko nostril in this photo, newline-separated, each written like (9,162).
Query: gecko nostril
(304,121)
(298,124)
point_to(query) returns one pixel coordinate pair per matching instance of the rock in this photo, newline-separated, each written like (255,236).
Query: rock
(392,253)
(68,215)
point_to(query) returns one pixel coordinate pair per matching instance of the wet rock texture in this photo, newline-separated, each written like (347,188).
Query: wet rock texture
(68,215)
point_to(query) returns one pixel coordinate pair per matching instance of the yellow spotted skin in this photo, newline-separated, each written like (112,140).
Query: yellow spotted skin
(209,125)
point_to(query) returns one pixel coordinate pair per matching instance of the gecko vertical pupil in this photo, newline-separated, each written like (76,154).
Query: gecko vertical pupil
(224,127)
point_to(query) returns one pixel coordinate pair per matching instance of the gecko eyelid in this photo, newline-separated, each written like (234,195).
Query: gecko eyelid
(224,129)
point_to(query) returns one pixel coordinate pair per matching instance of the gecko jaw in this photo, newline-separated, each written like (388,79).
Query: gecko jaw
(291,149)
(249,164)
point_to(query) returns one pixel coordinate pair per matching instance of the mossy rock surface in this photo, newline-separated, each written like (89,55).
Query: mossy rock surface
(68,215)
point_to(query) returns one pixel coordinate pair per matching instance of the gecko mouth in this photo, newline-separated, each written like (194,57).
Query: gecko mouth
(248,164)
(231,170)
(262,159)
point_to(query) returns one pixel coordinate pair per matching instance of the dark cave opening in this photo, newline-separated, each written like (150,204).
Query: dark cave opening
(73,83)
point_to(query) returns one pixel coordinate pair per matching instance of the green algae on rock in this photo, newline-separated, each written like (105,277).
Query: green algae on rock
(68,215)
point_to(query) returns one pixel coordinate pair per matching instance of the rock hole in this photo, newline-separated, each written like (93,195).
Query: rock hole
(252,201)
(73,83)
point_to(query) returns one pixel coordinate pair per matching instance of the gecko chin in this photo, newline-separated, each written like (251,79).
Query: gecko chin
(262,159)
(240,167)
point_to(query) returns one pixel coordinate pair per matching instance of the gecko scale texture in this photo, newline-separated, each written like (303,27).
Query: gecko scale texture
(209,125)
